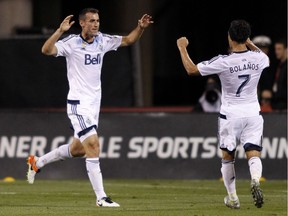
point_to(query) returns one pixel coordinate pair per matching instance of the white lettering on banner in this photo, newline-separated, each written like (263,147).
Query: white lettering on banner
(113,147)
(168,147)
(38,145)
(165,147)
(270,149)
(181,147)
(22,146)
(283,148)
(137,149)
(196,141)
(8,148)
(140,147)
(209,145)
(197,147)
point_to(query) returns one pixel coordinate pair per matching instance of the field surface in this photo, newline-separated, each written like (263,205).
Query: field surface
(137,198)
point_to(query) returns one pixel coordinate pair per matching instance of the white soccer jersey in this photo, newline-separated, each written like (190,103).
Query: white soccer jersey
(239,74)
(84,62)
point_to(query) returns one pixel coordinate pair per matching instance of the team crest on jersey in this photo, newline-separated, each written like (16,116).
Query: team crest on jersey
(101,47)
(83,45)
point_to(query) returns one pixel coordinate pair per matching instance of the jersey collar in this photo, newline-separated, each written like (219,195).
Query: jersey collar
(240,51)
(87,41)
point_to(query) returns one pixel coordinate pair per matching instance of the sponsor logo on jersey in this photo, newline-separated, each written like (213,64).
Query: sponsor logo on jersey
(92,59)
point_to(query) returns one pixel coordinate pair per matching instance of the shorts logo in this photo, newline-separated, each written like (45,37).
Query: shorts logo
(88,121)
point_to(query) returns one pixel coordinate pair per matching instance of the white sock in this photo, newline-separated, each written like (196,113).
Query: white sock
(95,176)
(229,178)
(255,166)
(60,153)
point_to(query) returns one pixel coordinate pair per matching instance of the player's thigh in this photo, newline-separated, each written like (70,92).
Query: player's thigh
(91,145)
(252,132)
(83,117)
(228,133)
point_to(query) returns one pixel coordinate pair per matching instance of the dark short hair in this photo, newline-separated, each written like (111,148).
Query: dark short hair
(82,14)
(239,31)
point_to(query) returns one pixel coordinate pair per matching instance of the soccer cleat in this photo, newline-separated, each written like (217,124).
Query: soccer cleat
(32,168)
(231,203)
(256,193)
(106,202)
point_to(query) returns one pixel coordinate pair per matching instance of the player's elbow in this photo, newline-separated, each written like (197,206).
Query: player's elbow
(192,71)
(45,51)
(128,40)
(48,51)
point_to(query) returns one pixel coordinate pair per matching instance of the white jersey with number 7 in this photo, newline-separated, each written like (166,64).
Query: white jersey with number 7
(239,73)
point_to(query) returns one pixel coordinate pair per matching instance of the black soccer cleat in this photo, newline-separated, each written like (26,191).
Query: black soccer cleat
(257,193)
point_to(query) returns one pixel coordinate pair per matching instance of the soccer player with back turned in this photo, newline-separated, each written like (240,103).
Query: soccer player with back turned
(240,120)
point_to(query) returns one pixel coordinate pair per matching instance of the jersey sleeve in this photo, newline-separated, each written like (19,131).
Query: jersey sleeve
(212,66)
(112,42)
(64,46)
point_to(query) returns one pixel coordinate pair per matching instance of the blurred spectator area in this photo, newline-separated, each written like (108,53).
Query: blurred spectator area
(29,79)
(147,74)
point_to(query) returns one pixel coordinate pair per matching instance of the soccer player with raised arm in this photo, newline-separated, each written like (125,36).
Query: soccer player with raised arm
(84,58)
(239,120)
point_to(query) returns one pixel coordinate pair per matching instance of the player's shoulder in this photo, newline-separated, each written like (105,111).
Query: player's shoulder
(217,58)
(259,54)
(106,36)
(70,37)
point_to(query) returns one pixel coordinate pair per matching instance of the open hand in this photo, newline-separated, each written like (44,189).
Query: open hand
(145,21)
(66,24)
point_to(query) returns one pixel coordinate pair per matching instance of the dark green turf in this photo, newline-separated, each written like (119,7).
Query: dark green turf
(138,197)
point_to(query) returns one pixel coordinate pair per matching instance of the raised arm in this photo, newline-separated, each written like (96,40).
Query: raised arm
(136,33)
(49,47)
(188,64)
(251,45)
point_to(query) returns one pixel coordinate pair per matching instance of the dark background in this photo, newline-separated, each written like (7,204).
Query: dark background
(33,80)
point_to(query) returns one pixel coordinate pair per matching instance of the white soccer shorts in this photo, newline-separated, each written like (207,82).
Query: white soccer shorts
(234,131)
(84,119)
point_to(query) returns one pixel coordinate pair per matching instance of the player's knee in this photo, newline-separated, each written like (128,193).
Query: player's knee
(228,155)
(77,149)
(252,150)
(252,147)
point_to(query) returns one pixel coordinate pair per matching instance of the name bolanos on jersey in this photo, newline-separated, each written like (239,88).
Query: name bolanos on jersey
(243,67)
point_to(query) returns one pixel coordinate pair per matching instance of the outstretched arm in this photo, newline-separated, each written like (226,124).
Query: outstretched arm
(188,64)
(136,33)
(49,47)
